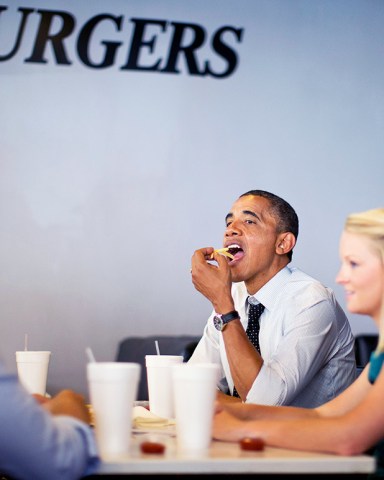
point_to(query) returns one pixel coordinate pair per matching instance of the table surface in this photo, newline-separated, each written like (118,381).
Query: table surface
(227,458)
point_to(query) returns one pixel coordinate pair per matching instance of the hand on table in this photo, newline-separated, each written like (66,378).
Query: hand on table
(224,398)
(67,402)
(227,427)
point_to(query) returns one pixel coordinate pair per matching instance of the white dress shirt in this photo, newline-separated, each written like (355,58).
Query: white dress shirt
(305,339)
(34,445)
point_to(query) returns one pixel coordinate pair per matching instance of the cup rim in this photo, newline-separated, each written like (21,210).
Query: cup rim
(114,365)
(192,371)
(163,360)
(112,371)
(32,356)
(28,352)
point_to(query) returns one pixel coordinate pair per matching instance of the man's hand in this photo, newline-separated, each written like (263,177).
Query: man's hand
(214,281)
(67,402)
(227,427)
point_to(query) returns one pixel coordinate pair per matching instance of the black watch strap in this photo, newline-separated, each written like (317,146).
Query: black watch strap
(227,317)
(220,321)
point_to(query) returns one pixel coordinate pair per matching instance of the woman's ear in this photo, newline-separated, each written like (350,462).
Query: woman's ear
(285,243)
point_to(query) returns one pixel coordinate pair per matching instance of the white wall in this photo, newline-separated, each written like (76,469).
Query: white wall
(110,179)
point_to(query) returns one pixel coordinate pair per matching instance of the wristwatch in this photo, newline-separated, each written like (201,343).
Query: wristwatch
(220,321)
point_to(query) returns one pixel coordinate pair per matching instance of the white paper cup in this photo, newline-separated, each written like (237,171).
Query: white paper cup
(112,391)
(160,388)
(32,370)
(195,389)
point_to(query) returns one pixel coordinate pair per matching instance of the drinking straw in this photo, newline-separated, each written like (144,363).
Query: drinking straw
(25,341)
(90,355)
(157,347)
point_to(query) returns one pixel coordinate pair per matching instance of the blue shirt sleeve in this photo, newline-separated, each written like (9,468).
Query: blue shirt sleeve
(35,444)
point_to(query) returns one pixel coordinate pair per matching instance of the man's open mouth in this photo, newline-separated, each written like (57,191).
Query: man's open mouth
(236,251)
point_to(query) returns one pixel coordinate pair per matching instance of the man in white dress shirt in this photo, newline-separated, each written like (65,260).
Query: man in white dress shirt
(306,345)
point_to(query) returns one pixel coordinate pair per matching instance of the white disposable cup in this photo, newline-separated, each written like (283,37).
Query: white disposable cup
(159,378)
(112,391)
(32,370)
(195,389)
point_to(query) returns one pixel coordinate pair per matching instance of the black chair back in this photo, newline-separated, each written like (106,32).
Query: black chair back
(365,344)
(134,349)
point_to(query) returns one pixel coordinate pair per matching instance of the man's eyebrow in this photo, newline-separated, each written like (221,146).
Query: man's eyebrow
(245,212)
(228,216)
(249,212)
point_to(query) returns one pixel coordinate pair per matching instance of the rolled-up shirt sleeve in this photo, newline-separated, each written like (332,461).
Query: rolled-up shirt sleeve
(305,339)
(299,358)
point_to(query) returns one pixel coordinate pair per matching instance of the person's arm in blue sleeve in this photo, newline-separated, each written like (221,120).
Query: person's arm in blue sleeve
(43,442)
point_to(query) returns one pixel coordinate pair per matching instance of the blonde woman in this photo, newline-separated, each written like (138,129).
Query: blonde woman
(353,422)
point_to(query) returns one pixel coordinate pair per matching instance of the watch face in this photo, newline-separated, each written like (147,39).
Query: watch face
(218,322)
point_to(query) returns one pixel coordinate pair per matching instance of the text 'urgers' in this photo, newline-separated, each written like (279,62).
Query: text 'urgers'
(203,54)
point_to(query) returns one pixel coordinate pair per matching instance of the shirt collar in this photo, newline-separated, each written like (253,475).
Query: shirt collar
(268,293)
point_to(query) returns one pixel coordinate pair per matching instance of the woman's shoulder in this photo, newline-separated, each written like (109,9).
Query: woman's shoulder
(375,364)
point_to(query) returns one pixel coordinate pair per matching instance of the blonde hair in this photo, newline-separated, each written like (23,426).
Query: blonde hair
(371,224)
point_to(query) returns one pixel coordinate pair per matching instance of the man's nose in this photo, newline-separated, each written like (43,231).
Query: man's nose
(232,230)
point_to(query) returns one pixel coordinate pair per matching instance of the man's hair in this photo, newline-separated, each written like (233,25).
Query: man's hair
(285,216)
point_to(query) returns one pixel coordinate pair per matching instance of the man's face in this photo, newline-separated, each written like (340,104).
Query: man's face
(251,227)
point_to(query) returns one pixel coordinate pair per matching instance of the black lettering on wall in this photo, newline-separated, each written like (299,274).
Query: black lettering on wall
(138,43)
(83,42)
(44,36)
(188,50)
(224,51)
(25,12)
(185,47)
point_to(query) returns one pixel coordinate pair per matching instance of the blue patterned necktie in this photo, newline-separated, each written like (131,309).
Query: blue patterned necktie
(253,329)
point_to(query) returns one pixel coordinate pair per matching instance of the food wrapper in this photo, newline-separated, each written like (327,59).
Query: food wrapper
(142,417)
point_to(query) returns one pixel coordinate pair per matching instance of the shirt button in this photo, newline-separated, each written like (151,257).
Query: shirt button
(252,300)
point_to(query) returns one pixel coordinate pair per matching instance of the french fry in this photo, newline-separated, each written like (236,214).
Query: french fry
(223,251)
